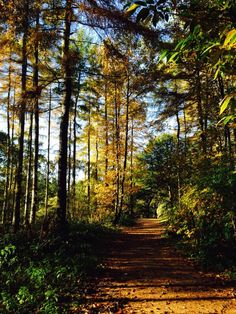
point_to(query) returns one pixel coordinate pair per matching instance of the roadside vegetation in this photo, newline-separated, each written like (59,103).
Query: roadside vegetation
(50,275)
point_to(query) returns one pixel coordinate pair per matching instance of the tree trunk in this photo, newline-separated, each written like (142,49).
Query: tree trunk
(200,111)
(19,173)
(69,170)
(88,158)
(227,134)
(126,145)
(63,136)
(131,167)
(74,144)
(7,182)
(234,136)
(13,166)
(28,179)
(48,156)
(106,130)
(178,155)
(185,133)
(117,149)
(34,200)
(97,148)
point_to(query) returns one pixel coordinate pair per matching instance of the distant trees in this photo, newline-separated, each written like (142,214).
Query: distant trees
(165,166)
(110,110)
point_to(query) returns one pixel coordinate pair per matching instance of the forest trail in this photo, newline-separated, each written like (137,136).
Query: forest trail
(145,273)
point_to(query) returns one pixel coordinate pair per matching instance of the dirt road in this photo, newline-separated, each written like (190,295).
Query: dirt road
(144,273)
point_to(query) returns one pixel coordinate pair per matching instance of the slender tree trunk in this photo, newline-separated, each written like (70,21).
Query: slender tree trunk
(97,147)
(185,133)
(96,156)
(63,136)
(69,170)
(48,156)
(117,149)
(206,106)
(227,134)
(131,166)
(88,158)
(178,155)
(14,201)
(126,145)
(28,178)
(113,134)
(19,173)
(114,158)
(34,200)
(171,195)
(13,165)
(9,151)
(234,136)
(74,143)
(106,130)
(200,110)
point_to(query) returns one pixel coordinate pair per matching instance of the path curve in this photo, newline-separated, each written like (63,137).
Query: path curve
(145,273)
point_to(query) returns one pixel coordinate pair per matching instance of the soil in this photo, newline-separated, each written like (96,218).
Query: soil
(145,273)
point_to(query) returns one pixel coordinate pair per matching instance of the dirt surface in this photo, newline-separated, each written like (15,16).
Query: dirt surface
(145,273)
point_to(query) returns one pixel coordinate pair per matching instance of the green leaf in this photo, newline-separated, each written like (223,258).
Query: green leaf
(228,119)
(173,56)
(225,102)
(225,120)
(209,48)
(183,43)
(163,55)
(217,72)
(196,30)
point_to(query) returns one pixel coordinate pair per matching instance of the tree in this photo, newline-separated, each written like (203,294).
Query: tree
(66,105)
(23,101)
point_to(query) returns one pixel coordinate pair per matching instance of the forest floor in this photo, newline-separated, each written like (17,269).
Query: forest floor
(145,273)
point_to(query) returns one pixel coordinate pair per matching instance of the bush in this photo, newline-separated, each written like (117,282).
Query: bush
(205,217)
(126,219)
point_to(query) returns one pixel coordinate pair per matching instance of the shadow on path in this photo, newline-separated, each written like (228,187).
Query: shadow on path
(144,273)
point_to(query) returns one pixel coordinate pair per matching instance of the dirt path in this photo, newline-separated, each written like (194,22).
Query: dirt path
(144,273)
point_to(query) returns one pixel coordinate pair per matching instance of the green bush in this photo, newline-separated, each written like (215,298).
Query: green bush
(126,219)
(205,216)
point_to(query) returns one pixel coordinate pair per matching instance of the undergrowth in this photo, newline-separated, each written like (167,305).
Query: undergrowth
(39,276)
